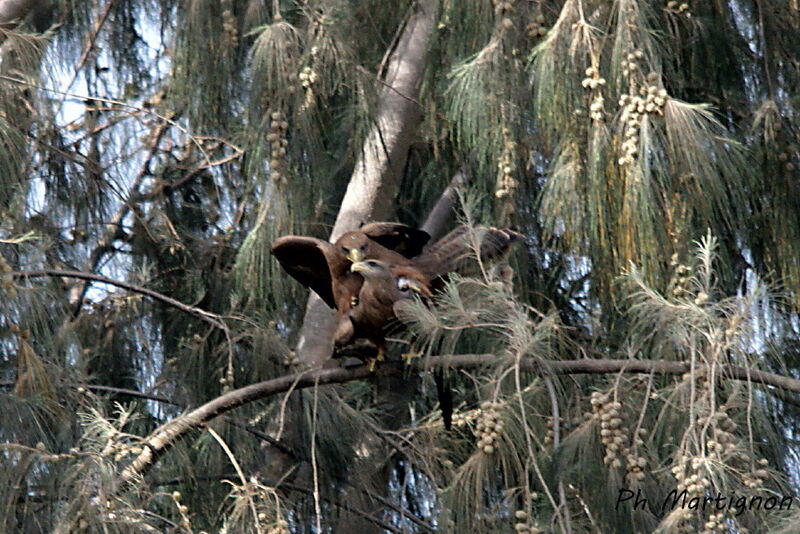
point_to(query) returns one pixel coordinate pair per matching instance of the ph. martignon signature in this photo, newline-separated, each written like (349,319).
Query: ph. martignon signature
(731,501)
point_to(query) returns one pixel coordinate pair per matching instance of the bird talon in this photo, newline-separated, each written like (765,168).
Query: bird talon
(371,364)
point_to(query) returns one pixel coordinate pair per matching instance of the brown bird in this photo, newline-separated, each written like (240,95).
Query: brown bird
(384,286)
(385,283)
(325,267)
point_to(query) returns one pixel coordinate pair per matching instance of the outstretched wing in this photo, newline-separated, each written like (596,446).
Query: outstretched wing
(403,239)
(456,252)
(304,258)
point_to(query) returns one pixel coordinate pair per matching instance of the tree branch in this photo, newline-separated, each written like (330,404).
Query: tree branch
(162,439)
(211,318)
(442,211)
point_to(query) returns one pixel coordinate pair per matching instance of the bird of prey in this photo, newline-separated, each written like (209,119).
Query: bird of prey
(399,254)
(325,267)
(384,286)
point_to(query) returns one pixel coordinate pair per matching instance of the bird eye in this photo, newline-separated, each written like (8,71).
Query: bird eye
(372,263)
(364,246)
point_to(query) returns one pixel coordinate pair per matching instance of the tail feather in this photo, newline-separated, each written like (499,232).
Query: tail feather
(445,395)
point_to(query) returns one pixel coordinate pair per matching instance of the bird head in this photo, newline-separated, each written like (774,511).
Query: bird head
(354,245)
(368,267)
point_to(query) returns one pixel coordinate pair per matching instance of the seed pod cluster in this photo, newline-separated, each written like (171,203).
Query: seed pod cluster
(183,510)
(281,527)
(715,523)
(229,31)
(630,63)
(595,82)
(463,419)
(489,427)
(681,9)
(522,526)
(506,184)
(6,280)
(278,143)
(505,10)
(650,100)
(635,462)
(689,473)
(785,158)
(724,442)
(755,479)
(612,434)
(679,283)
(536,28)
(291,359)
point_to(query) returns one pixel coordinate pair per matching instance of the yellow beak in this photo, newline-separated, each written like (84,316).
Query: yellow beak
(359,267)
(355,255)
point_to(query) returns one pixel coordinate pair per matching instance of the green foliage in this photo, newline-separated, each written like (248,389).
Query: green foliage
(648,150)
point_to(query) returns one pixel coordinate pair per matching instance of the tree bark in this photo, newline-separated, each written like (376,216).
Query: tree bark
(163,438)
(376,178)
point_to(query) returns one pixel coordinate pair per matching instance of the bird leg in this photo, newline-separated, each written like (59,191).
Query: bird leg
(409,356)
(373,361)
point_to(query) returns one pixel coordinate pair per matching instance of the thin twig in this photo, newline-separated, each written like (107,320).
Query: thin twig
(211,318)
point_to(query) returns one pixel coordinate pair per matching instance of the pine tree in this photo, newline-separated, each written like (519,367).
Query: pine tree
(160,373)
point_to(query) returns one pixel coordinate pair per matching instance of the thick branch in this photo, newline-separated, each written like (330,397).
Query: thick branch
(373,186)
(164,437)
(442,211)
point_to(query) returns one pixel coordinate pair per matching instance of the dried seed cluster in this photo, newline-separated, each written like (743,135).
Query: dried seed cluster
(690,475)
(536,28)
(506,184)
(679,283)
(183,510)
(278,143)
(715,523)
(651,100)
(229,31)
(786,160)
(505,10)
(595,82)
(291,359)
(636,463)
(282,527)
(756,478)
(630,64)
(681,9)
(308,80)
(522,526)
(489,427)
(612,433)
(6,280)
(463,419)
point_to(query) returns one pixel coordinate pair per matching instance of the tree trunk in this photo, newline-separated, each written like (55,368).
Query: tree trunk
(376,178)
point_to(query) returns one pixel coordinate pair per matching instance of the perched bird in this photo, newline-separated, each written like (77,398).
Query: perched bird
(367,273)
(384,286)
(398,250)
(325,267)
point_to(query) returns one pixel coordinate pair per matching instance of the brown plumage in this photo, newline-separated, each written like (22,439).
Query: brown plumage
(397,251)
(325,267)
(386,283)
(383,286)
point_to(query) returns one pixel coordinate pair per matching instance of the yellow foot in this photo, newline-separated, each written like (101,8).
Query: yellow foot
(408,357)
(373,361)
